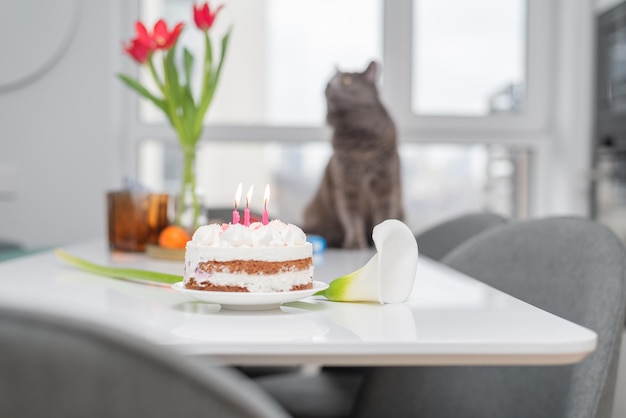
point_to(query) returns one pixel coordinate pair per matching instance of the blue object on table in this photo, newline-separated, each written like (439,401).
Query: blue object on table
(318,242)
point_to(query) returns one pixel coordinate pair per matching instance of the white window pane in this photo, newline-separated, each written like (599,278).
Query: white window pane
(280,57)
(468,56)
(439,181)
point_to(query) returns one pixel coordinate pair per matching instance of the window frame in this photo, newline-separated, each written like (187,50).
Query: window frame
(533,128)
(397,24)
(525,127)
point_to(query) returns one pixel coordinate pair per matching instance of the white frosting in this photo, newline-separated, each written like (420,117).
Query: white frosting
(275,241)
(207,234)
(200,253)
(274,234)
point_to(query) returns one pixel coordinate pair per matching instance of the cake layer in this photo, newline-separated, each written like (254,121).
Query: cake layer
(254,266)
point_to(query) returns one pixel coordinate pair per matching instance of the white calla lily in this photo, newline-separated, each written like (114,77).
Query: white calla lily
(388,276)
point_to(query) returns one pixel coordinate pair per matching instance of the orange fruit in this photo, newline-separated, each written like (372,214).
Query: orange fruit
(173,236)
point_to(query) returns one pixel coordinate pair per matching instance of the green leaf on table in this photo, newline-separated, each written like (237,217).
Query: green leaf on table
(117,272)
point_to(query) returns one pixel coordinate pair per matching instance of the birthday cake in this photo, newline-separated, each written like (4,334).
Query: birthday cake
(272,257)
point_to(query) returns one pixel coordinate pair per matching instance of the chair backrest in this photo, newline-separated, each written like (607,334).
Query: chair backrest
(573,268)
(437,241)
(60,367)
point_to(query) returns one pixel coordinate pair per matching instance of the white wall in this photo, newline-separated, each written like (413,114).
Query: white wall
(57,140)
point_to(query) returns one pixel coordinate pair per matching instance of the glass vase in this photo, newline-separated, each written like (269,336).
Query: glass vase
(188,206)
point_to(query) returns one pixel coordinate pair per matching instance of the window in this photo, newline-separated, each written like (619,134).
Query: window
(468,57)
(279,57)
(440,180)
(266,124)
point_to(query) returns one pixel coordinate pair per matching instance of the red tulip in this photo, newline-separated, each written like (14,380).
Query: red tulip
(203,17)
(164,39)
(138,50)
(160,38)
(144,36)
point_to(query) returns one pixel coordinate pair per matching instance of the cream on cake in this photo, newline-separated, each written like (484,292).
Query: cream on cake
(260,258)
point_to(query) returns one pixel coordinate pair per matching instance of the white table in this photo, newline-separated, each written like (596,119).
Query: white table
(450,319)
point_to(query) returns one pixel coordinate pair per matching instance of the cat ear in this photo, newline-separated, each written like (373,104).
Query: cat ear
(370,72)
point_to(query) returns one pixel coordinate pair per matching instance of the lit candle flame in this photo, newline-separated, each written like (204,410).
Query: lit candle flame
(266,197)
(238,196)
(249,195)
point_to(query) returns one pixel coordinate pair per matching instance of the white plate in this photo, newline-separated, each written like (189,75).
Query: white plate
(250,301)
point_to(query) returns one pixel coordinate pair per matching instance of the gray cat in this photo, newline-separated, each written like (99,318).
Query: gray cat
(361,184)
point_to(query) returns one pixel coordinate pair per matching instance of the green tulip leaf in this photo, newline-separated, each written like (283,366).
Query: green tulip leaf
(136,85)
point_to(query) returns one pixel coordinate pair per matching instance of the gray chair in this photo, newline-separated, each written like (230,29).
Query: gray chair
(60,367)
(437,241)
(573,268)
(331,393)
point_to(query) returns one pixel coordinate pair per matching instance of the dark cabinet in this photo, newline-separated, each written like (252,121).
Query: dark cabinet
(608,202)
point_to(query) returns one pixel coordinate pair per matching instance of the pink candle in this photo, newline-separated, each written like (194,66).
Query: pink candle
(266,198)
(237,199)
(246,211)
